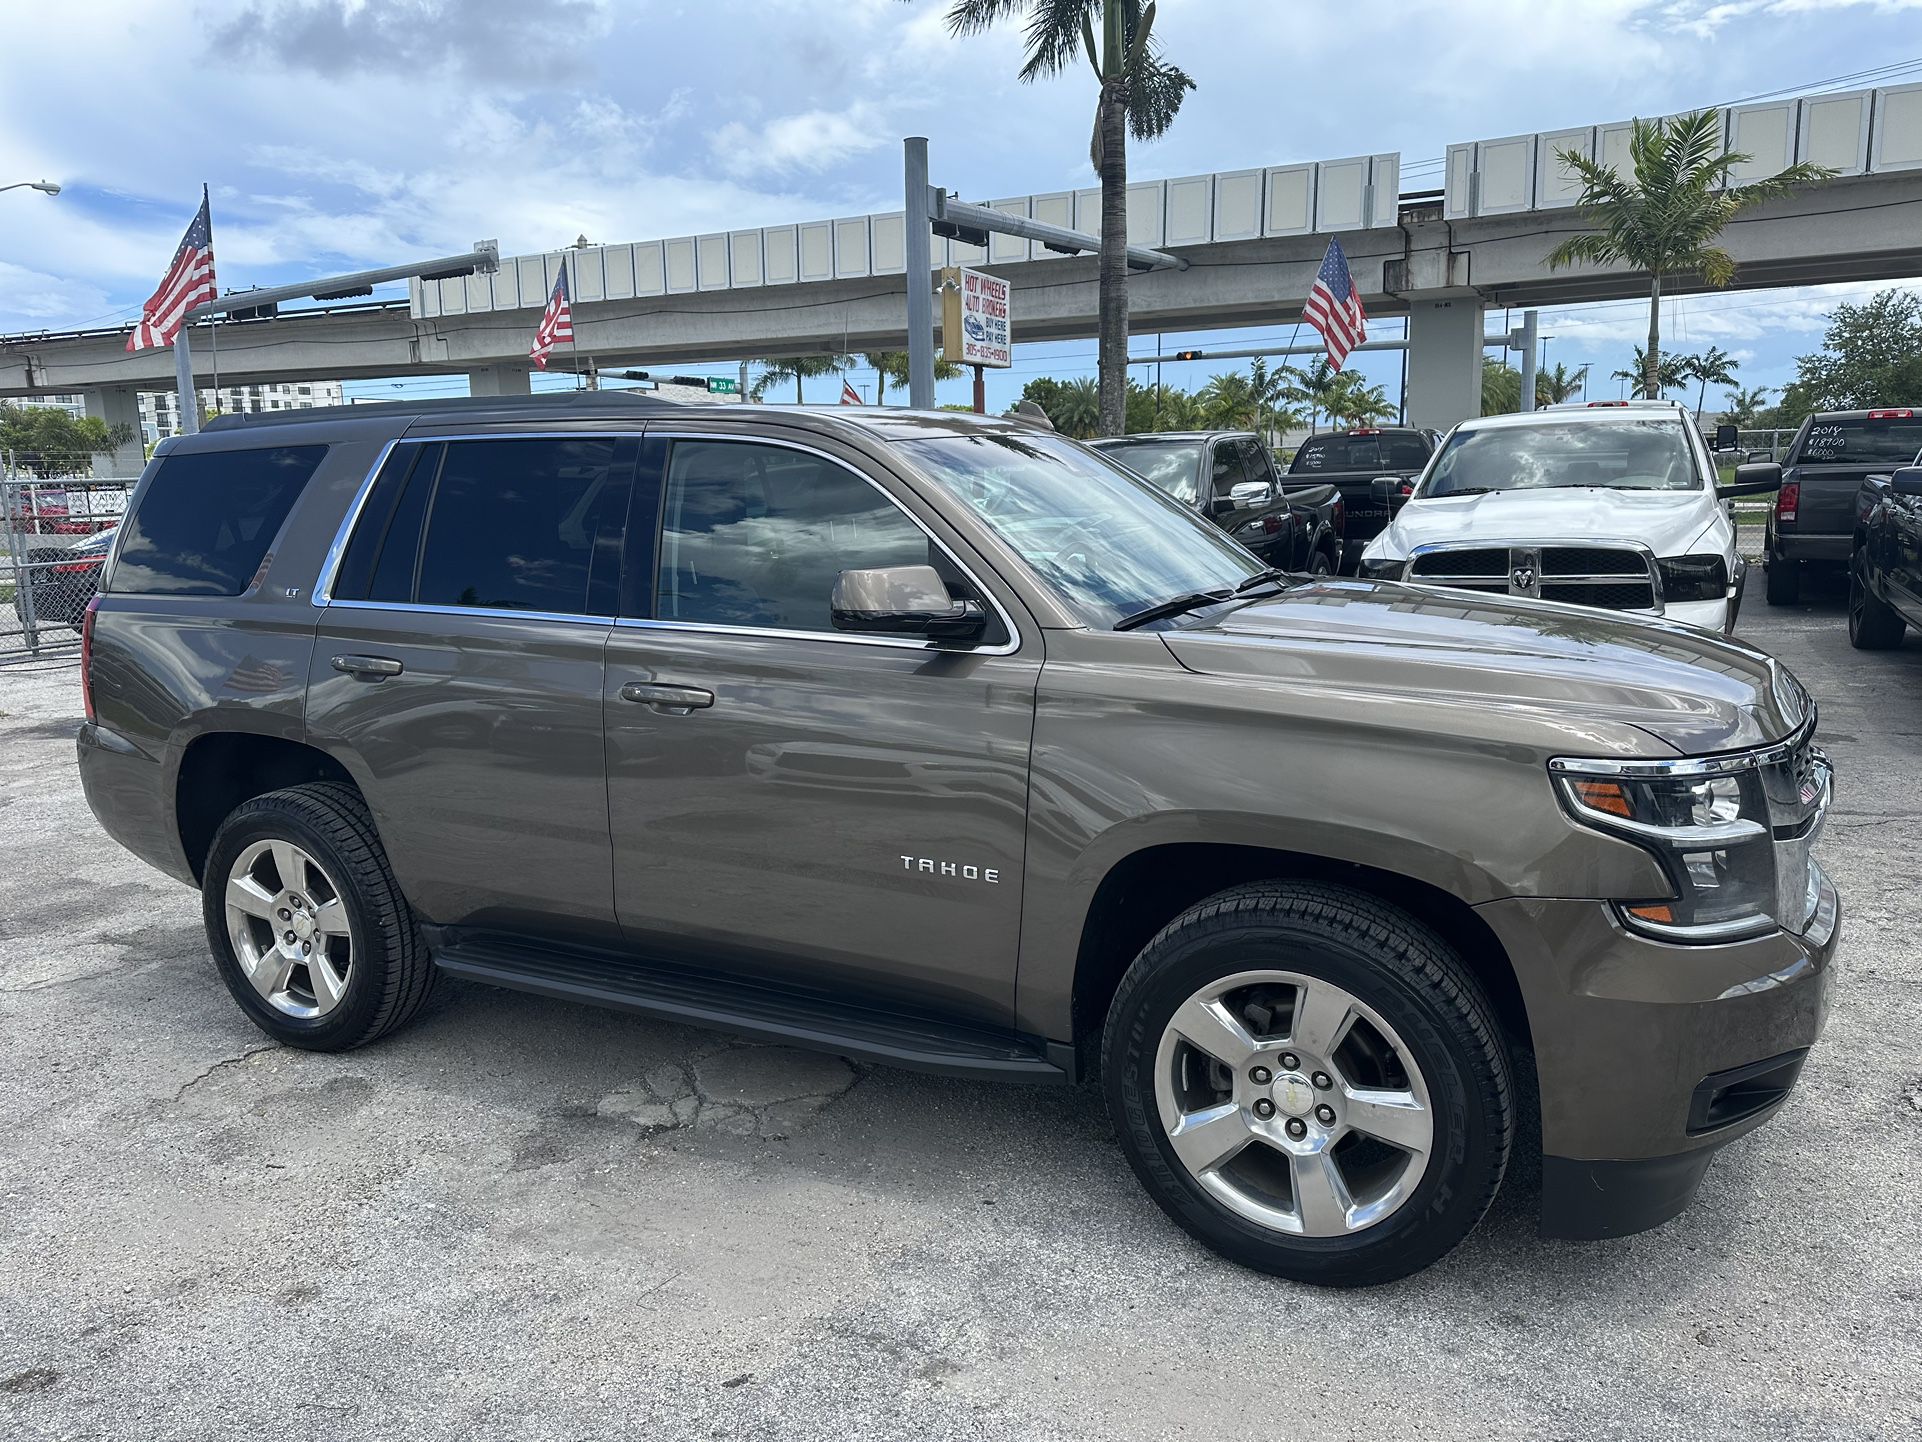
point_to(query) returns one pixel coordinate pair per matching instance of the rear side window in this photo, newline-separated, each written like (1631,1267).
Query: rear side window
(510,525)
(207,518)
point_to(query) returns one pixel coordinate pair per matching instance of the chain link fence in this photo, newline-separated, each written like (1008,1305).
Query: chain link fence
(57,531)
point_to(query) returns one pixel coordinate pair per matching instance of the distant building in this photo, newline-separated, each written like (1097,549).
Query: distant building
(160,410)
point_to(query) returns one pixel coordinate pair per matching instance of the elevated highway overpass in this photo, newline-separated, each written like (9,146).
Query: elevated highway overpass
(1252,240)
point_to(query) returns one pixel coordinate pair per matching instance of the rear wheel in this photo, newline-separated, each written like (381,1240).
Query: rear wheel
(1873,624)
(307,923)
(1309,1082)
(1784,582)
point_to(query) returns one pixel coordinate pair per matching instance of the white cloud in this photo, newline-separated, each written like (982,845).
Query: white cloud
(812,141)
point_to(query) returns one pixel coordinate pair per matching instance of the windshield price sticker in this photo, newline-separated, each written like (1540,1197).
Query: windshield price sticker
(976,320)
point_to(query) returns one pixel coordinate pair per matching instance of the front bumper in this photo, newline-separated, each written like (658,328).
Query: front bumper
(1651,1055)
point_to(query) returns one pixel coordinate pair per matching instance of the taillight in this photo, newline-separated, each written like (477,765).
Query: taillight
(86,658)
(1787,500)
(1892,415)
(1271,524)
(1339,516)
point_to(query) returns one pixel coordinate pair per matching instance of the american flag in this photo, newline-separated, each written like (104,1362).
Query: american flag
(189,282)
(557,321)
(1334,306)
(849,395)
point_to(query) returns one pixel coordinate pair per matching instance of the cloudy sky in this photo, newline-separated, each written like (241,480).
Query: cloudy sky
(339,135)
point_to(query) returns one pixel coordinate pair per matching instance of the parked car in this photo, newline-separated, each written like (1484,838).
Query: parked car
(1229,477)
(60,582)
(1885,567)
(1612,506)
(37,508)
(1813,520)
(1352,461)
(943,741)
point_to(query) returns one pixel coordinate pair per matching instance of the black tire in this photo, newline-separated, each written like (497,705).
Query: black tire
(391,975)
(1784,582)
(1321,564)
(1396,965)
(1873,624)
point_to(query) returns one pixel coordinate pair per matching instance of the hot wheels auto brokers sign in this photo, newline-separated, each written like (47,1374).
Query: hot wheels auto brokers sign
(975,324)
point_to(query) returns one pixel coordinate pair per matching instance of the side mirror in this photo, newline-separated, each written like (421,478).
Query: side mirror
(1386,490)
(1907,481)
(903,601)
(1755,473)
(1727,438)
(1251,493)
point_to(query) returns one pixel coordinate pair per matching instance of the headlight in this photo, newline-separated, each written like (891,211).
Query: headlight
(1694,578)
(1381,570)
(1733,835)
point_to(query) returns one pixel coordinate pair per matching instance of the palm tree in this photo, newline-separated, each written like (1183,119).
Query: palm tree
(892,365)
(1312,388)
(1501,387)
(1669,217)
(795,368)
(1559,386)
(1713,364)
(1357,403)
(1228,402)
(1672,373)
(1140,93)
(1077,408)
(1745,405)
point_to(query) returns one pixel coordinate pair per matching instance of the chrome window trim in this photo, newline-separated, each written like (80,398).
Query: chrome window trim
(323,592)
(1009,647)
(490,613)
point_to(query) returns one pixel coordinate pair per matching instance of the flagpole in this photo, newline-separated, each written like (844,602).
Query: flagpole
(184,383)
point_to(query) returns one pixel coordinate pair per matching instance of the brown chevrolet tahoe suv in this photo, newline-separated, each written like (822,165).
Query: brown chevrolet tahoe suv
(945,742)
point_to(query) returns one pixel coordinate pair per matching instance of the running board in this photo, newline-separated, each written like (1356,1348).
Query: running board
(729,1003)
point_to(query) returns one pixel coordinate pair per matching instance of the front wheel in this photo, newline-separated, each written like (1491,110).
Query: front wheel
(1320,565)
(1310,1083)
(1873,624)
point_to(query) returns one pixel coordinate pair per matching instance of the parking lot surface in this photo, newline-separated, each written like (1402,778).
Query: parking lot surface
(520,1219)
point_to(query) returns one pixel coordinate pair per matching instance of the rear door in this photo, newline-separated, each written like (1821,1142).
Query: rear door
(459,666)
(845,811)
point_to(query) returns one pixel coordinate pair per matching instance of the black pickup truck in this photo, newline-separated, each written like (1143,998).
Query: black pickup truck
(1813,522)
(1885,565)
(1230,477)
(1352,461)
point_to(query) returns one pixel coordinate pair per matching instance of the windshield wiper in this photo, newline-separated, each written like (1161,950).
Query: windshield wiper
(1261,578)
(1463,491)
(1194,601)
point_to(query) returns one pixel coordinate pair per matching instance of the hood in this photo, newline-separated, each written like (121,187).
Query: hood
(1667,522)
(1567,666)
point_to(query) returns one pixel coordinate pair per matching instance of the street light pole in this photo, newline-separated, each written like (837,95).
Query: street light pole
(45,187)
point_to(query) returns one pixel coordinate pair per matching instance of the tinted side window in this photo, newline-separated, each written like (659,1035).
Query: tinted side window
(754,535)
(397,547)
(1254,457)
(512,525)
(375,522)
(1228,472)
(207,518)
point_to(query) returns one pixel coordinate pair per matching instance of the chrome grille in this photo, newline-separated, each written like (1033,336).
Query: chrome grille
(1613,578)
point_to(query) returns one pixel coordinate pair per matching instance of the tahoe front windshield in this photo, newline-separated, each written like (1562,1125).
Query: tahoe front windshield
(1605,455)
(1108,542)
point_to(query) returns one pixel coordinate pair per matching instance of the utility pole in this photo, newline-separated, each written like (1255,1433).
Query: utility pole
(1528,348)
(920,257)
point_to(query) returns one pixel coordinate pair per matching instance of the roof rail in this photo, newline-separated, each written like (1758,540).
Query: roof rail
(614,403)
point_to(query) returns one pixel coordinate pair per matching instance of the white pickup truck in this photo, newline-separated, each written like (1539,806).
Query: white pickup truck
(1611,505)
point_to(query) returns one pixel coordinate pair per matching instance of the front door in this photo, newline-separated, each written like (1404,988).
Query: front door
(838,810)
(459,672)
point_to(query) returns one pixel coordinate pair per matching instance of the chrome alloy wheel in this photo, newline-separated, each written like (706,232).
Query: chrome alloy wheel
(1294,1103)
(289,928)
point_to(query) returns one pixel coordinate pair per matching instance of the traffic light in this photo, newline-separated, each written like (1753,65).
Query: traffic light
(1188,355)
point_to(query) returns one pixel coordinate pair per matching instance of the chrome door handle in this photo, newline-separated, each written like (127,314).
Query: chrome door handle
(678,700)
(368,668)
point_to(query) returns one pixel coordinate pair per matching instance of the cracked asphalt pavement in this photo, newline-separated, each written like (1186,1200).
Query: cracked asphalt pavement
(521,1219)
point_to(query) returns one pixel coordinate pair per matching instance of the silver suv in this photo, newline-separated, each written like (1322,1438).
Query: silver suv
(945,742)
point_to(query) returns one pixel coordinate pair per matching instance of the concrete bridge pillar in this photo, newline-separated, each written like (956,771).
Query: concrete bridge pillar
(500,380)
(1444,361)
(118,406)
